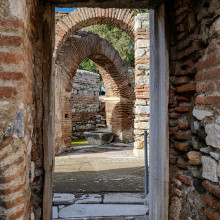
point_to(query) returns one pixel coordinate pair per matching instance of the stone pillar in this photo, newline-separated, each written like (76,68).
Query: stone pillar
(142,54)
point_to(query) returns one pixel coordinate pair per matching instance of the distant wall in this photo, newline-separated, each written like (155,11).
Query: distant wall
(84,102)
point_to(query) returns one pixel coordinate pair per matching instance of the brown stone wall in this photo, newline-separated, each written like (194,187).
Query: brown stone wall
(194,109)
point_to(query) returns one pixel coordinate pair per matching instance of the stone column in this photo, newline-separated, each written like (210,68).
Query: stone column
(141,105)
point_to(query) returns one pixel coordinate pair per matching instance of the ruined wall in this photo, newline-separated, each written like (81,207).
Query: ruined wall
(194,30)
(21,167)
(117,77)
(84,102)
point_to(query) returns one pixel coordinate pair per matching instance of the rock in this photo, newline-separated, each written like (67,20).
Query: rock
(215,155)
(142,110)
(213,135)
(206,150)
(209,171)
(201,114)
(195,143)
(195,157)
(140,52)
(99,137)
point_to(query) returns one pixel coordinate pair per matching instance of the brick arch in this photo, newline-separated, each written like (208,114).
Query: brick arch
(100,51)
(118,82)
(84,17)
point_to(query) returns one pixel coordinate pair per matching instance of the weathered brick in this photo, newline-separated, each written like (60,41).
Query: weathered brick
(207,62)
(182,146)
(186,88)
(208,100)
(184,135)
(10,58)
(185,179)
(211,215)
(10,40)
(7,92)
(211,188)
(212,202)
(183,109)
(11,76)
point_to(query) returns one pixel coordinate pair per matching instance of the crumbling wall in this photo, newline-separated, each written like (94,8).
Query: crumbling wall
(84,102)
(21,167)
(194,109)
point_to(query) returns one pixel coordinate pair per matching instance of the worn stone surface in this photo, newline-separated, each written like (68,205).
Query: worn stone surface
(213,135)
(195,157)
(209,171)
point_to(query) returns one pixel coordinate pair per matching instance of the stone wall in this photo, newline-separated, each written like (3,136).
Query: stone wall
(84,102)
(194,109)
(142,69)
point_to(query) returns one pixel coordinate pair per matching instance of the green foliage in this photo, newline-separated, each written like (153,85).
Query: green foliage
(119,40)
(138,11)
(88,65)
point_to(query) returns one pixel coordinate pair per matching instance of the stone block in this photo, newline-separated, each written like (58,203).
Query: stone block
(201,114)
(143,43)
(140,52)
(213,135)
(140,102)
(142,110)
(142,125)
(209,171)
(194,157)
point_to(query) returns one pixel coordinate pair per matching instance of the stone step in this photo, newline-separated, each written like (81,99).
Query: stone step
(95,211)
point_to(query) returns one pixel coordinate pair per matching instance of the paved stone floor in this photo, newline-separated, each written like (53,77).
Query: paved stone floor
(99,183)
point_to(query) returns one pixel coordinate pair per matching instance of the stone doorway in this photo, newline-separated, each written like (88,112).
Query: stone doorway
(121,86)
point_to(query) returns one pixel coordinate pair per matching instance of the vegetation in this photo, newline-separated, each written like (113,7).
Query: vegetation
(79,143)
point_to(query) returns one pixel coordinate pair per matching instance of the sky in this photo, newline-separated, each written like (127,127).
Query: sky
(65,9)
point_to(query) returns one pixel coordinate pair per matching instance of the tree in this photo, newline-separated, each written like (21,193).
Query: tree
(118,39)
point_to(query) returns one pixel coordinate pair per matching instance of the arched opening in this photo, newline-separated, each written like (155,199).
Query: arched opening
(117,78)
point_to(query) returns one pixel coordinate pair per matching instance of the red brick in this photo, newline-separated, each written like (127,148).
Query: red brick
(183,99)
(172,130)
(211,188)
(211,74)
(211,202)
(11,204)
(206,86)
(207,62)
(16,215)
(182,166)
(184,179)
(183,109)
(7,92)
(186,88)
(174,115)
(189,71)
(10,24)
(10,58)
(11,75)
(173,160)
(182,146)
(175,152)
(211,215)
(182,126)
(171,96)
(208,100)
(10,40)
(182,135)
(180,80)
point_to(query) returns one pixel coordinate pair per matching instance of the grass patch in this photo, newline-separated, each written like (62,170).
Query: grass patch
(79,143)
